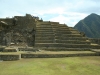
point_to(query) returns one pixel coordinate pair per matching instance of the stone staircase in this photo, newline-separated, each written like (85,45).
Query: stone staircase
(54,40)
(55,36)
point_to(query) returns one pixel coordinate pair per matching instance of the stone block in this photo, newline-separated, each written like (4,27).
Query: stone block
(10,49)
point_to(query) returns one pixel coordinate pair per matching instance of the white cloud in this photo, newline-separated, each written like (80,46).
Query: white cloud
(11,14)
(69,18)
(59,18)
(66,11)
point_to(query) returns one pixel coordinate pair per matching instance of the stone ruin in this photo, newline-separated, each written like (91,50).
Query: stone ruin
(29,37)
(18,31)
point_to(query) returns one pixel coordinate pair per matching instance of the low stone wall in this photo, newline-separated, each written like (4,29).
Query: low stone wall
(72,38)
(66,49)
(72,42)
(94,40)
(10,57)
(1,49)
(63,45)
(54,22)
(57,55)
(7,20)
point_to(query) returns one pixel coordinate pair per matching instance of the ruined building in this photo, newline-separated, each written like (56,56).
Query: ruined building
(29,37)
(18,31)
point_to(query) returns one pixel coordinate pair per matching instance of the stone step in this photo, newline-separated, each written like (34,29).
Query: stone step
(43,26)
(45,38)
(60,25)
(44,29)
(95,46)
(44,32)
(96,50)
(60,33)
(62,38)
(44,41)
(66,38)
(63,42)
(50,54)
(67,49)
(72,38)
(72,41)
(44,23)
(49,45)
(38,24)
(62,45)
(60,29)
(63,49)
(63,26)
(55,26)
(43,35)
(69,35)
(9,49)
(10,56)
(74,31)
(54,22)
(77,45)
(56,32)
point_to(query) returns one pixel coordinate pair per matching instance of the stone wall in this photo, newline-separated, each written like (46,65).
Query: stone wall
(25,22)
(19,32)
(10,57)
(57,55)
(7,20)
(94,40)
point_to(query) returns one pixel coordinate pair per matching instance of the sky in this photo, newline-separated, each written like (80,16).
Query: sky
(68,12)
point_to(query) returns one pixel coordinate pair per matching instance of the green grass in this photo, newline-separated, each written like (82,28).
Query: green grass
(52,66)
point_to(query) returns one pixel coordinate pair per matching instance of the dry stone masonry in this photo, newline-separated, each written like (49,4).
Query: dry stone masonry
(29,37)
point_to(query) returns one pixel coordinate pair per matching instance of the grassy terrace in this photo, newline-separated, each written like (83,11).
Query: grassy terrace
(52,66)
(48,52)
(60,52)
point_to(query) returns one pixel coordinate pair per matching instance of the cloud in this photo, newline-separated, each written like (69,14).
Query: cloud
(64,11)
(69,18)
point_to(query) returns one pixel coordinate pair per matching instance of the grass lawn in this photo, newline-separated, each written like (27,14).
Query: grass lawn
(52,66)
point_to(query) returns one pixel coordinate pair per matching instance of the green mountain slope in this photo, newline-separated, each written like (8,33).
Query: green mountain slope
(90,26)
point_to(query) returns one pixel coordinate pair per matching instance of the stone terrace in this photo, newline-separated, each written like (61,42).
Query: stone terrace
(52,40)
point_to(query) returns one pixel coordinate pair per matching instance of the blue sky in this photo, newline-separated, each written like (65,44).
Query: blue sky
(64,11)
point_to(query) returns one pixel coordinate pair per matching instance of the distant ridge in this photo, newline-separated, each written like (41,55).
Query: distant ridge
(90,26)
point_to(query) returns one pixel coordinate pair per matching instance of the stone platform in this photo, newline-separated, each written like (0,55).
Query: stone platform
(49,40)
(10,49)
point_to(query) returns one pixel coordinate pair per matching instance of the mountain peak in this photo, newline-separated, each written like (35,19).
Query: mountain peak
(92,16)
(90,25)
